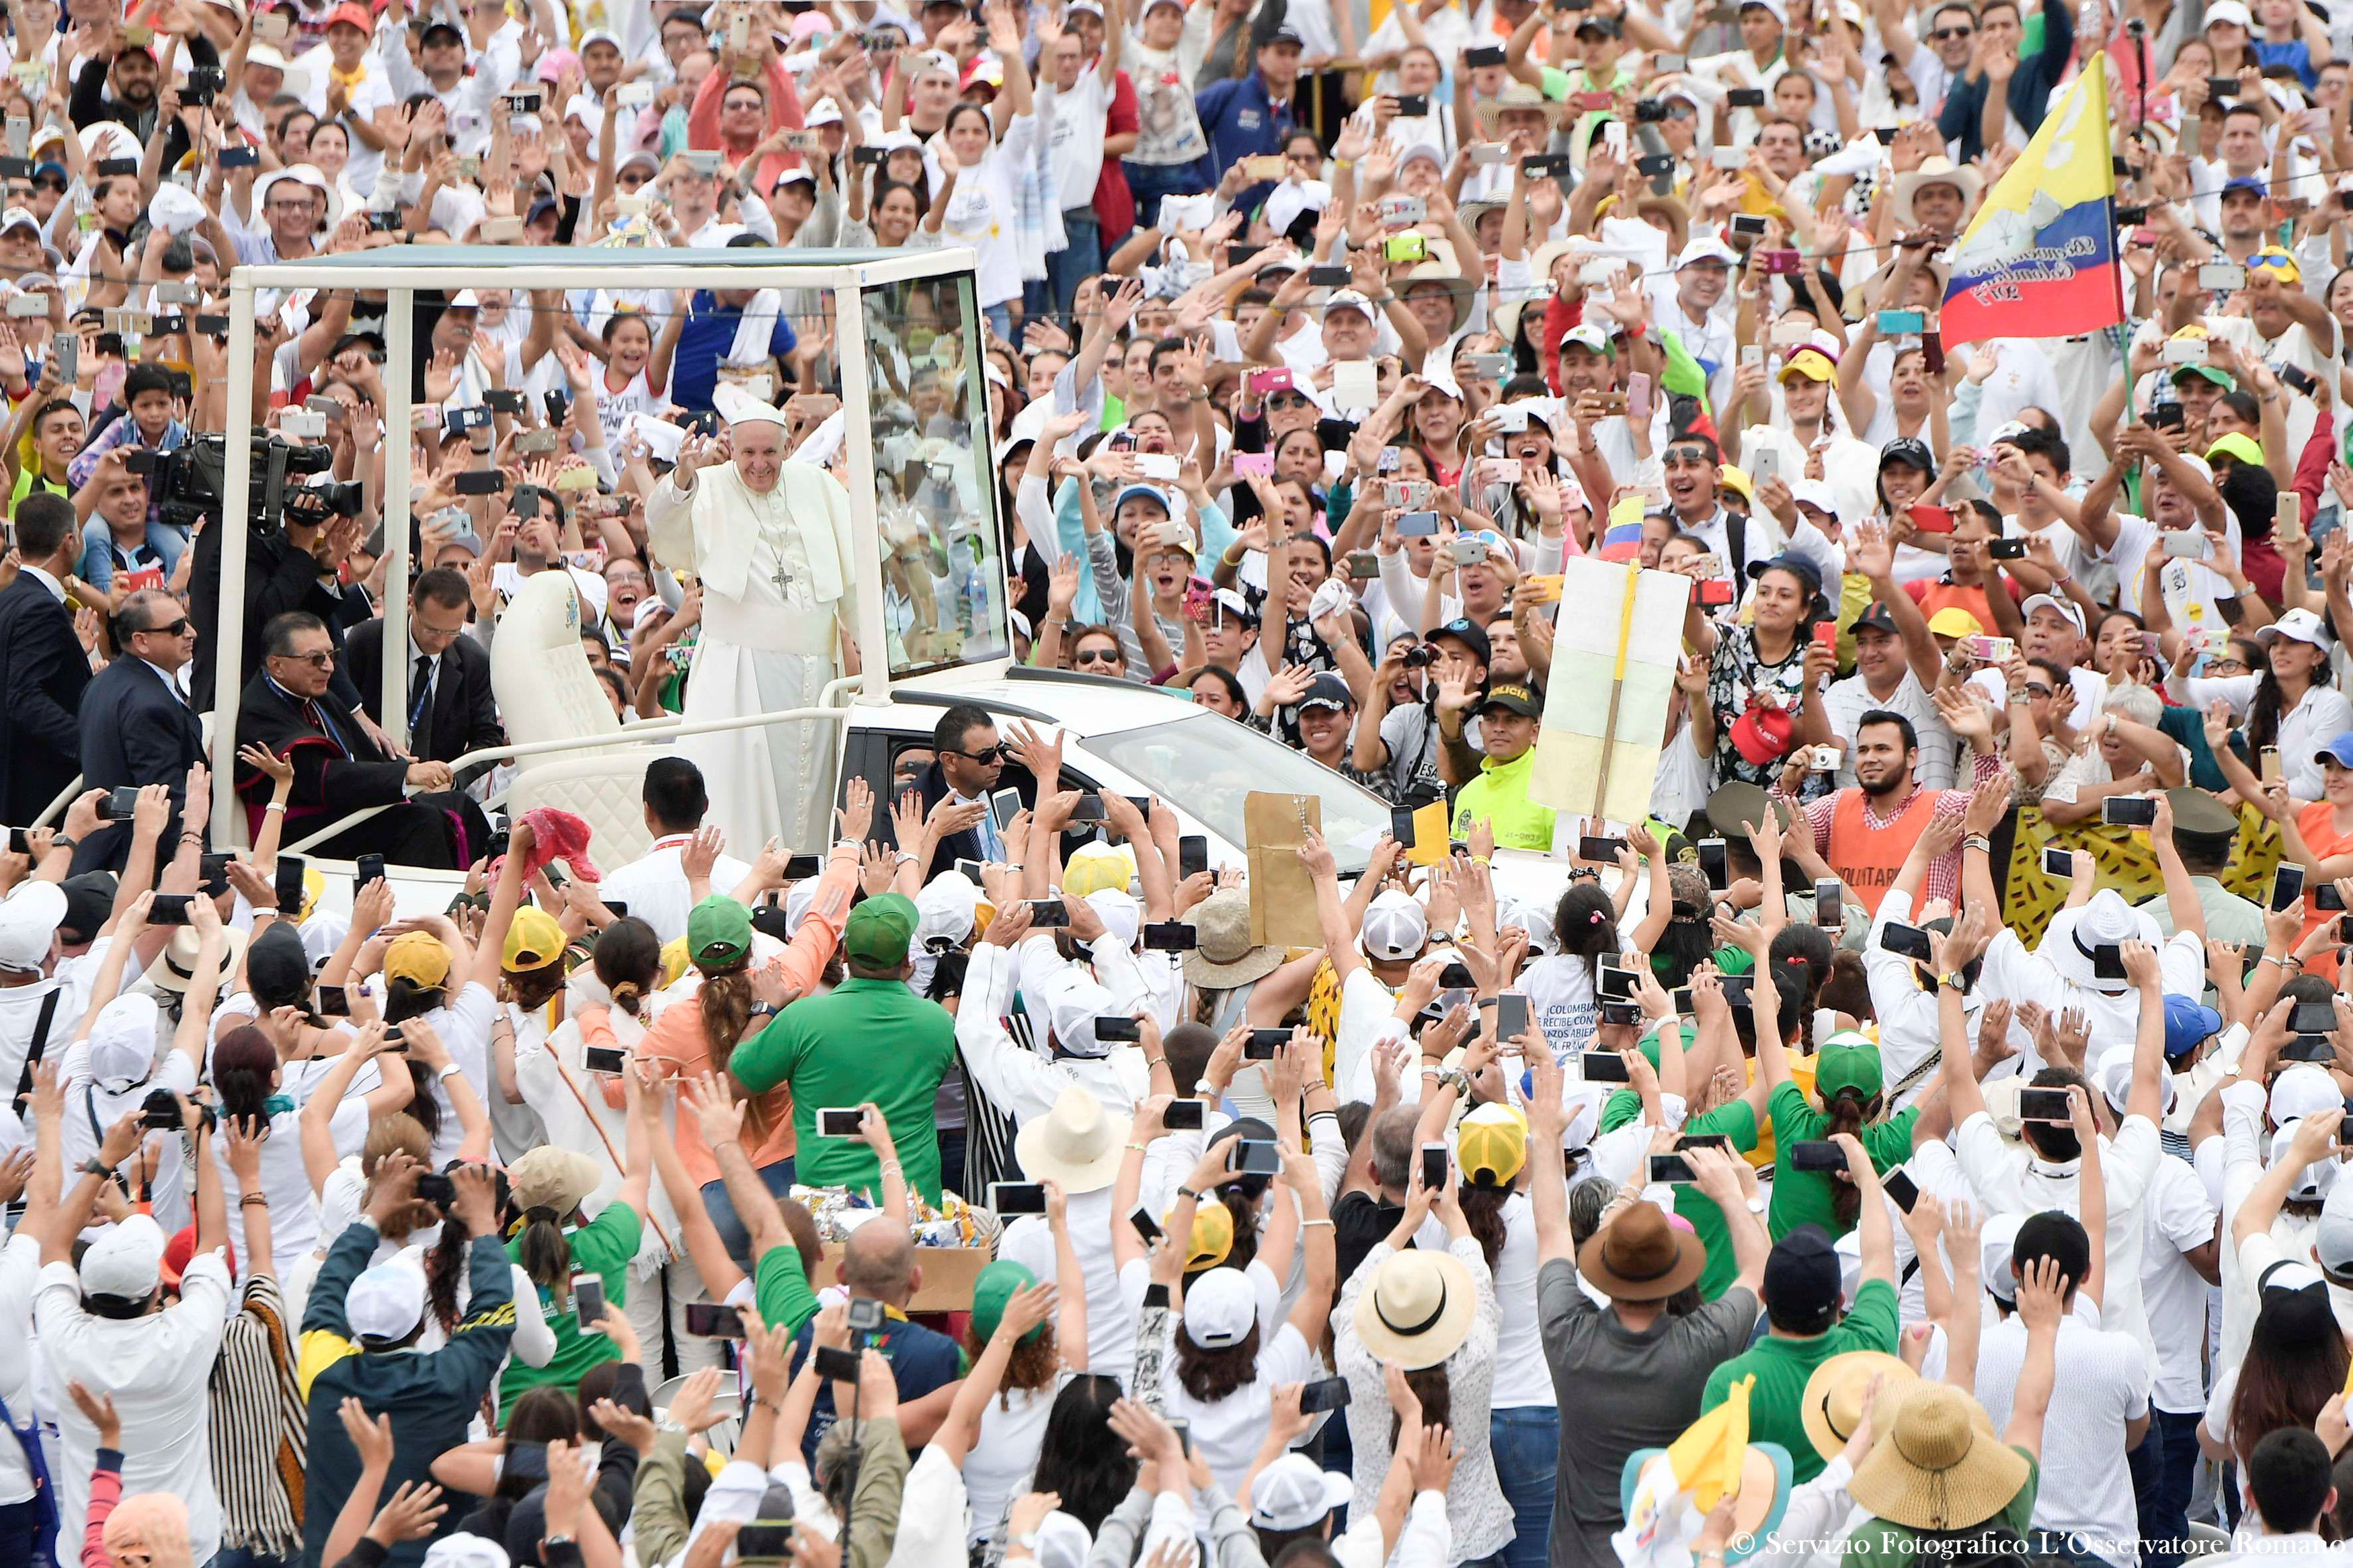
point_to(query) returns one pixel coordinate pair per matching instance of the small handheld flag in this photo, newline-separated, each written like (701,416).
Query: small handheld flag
(1621,537)
(2040,259)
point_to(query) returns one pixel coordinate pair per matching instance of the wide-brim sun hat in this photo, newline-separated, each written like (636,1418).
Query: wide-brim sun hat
(1418,1307)
(1078,1143)
(1224,956)
(1832,1406)
(1940,1464)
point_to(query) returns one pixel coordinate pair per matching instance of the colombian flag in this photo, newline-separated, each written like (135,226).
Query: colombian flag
(2040,259)
(1621,538)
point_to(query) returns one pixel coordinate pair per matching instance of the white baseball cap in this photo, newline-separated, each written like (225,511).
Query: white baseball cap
(123,1042)
(1220,1309)
(1395,926)
(126,1260)
(28,924)
(1296,1491)
(386,1301)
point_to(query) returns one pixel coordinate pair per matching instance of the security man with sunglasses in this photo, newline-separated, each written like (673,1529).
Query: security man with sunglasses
(137,726)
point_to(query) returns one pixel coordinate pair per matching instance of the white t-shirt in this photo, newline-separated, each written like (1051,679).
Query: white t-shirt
(2178,1215)
(20,1272)
(2193,591)
(2104,1379)
(1005,1452)
(1075,146)
(1521,1377)
(1228,1433)
(293,1217)
(1561,1000)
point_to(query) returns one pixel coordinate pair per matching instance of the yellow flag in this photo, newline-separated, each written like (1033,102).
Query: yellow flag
(1707,1458)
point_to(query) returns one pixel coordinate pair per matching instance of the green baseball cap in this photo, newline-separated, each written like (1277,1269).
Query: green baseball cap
(718,932)
(997,1284)
(1847,1060)
(877,931)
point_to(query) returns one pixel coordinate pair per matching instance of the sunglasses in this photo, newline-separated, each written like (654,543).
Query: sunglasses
(2274,259)
(178,629)
(1286,400)
(1945,35)
(315,660)
(1096,656)
(986,754)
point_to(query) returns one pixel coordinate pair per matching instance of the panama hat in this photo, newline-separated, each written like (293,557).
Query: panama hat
(1416,1308)
(1224,957)
(1937,171)
(1832,1405)
(177,965)
(1077,1144)
(2072,934)
(1763,1498)
(1640,1257)
(1517,95)
(1940,1466)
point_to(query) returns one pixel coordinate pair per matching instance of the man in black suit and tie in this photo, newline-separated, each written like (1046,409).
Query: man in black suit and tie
(450,710)
(968,760)
(338,768)
(44,668)
(136,725)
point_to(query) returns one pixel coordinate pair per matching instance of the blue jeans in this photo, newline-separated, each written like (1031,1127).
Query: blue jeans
(778,1178)
(20,1528)
(1081,257)
(2164,1469)
(1150,181)
(1525,1439)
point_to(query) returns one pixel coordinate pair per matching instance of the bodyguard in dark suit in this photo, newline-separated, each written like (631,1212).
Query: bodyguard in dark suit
(136,727)
(44,669)
(968,762)
(450,708)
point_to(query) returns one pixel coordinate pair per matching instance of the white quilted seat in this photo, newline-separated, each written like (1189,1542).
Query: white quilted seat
(546,691)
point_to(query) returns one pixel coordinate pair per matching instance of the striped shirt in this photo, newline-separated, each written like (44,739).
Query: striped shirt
(261,1429)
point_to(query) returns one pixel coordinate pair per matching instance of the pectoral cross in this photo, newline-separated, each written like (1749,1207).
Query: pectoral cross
(784,583)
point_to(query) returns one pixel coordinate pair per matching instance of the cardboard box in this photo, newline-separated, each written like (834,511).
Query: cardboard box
(948,1274)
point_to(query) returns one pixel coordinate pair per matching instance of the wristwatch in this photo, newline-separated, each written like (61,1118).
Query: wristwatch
(1757,1205)
(763,1010)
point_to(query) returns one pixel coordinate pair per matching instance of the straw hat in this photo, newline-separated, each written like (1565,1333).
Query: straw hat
(1640,1257)
(1418,1307)
(1940,1466)
(1937,171)
(1077,1144)
(1832,1405)
(1517,95)
(177,965)
(1225,958)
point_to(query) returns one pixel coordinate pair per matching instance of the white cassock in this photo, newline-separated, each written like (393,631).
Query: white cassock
(776,572)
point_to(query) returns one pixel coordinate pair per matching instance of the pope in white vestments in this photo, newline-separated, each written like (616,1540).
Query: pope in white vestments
(770,541)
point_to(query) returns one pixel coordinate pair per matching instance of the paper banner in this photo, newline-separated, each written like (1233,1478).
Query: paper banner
(1281,893)
(1613,675)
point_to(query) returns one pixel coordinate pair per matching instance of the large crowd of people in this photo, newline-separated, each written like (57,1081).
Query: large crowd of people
(1917,1137)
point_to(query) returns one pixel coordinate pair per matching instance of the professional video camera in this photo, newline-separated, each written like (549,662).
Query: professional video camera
(187,484)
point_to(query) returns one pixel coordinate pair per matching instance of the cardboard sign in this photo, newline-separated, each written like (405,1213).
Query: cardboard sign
(1281,893)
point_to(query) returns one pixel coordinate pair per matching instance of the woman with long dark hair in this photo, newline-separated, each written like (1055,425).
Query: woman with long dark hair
(1763,678)
(2290,704)
(1011,1437)
(247,1075)
(1563,1000)
(2296,1359)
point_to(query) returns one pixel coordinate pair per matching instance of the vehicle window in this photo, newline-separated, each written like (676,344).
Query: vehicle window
(1212,775)
(935,490)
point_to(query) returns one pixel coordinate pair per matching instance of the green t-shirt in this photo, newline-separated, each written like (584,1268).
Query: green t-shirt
(1804,1198)
(1738,1123)
(1783,1366)
(865,1039)
(781,1291)
(604,1246)
(1877,1540)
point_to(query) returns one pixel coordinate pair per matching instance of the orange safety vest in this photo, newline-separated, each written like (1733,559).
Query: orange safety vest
(1865,855)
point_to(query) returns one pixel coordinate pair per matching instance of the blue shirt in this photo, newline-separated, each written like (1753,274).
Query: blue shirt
(1242,120)
(2295,53)
(921,1359)
(708,333)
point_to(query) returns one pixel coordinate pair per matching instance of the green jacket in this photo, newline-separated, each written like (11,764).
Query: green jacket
(1500,793)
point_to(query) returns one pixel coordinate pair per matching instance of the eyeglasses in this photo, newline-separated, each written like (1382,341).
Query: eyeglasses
(985,755)
(322,660)
(2038,691)
(1096,656)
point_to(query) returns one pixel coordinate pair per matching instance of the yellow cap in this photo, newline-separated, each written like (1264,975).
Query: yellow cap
(1738,479)
(1492,1142)
(1213,1234)
(1953,621)
(1094,867)
(418,958)
(533,941)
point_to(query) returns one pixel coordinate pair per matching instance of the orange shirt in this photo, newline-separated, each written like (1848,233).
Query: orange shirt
(2316,822)
(1867,856)
(676,1045)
